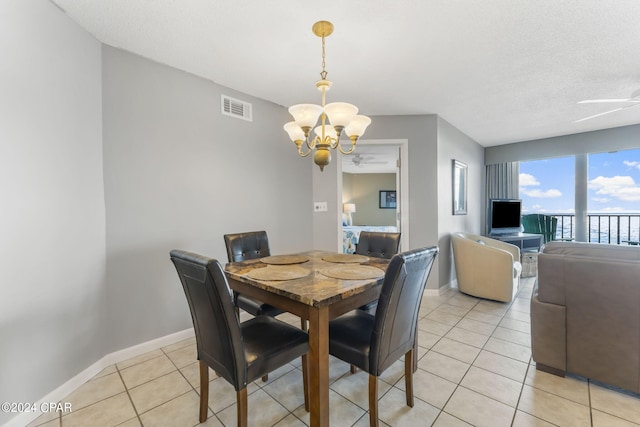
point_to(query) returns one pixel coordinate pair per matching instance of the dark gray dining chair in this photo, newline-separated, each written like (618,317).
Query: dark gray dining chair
(378,245)
(242,247)
(374,342)
(246,246)
(238,352)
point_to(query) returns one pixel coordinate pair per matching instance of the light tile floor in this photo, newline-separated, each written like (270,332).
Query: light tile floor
(474,368)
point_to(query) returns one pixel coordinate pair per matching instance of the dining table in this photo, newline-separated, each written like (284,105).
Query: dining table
(317,286)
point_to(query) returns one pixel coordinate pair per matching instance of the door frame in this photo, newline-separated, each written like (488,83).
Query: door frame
(402,191)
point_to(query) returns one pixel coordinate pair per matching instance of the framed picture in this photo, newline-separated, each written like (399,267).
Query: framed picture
(459,181)
(388,199)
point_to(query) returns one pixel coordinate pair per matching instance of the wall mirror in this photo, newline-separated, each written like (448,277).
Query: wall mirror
(459,188)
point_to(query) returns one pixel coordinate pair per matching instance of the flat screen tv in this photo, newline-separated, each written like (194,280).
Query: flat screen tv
(504,216)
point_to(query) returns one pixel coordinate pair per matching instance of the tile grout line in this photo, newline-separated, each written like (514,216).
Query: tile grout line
(524,380)
(295,368)
(471,364)
(126,389)
(590,406)
(465,373)
(166,354)
(524,383)
(520,396)
(458,385)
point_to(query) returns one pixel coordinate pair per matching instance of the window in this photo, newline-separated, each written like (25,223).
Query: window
(548,187)
(614,197)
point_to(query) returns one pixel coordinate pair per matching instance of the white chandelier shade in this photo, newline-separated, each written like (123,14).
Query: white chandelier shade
(340,113)
(305,115)
(327,130)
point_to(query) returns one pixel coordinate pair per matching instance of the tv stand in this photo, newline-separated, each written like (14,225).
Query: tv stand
(526,242)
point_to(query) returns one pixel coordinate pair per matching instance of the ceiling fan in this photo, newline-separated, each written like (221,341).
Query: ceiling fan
(631,102)
(359,160)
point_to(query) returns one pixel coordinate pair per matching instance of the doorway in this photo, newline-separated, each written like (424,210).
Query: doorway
(378,163)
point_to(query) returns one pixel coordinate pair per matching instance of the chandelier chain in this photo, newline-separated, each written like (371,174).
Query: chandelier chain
(324,73)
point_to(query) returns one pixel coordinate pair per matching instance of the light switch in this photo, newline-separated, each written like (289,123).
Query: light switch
(319,206)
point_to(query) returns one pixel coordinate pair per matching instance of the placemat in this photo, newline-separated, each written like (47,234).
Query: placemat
(345,258)
(273,272)
(284,259)
(353,272)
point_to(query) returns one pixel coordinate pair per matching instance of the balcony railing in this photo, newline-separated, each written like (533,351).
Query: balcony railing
(617,229)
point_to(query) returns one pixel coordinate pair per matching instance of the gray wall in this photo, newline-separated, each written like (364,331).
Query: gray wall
(178,174)
(52,221)
(453,144)
(365,193)
(327,234)
(421,132)
(621,138)
(108,161)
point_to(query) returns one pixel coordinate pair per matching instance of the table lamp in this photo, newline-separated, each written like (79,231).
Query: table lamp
(349,208)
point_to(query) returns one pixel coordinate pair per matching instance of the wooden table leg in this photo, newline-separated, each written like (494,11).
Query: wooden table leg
(319,366)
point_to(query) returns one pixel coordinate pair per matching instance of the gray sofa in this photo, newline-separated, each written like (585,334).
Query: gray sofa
(585,312)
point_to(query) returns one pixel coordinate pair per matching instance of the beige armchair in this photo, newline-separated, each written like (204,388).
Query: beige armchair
(485,267)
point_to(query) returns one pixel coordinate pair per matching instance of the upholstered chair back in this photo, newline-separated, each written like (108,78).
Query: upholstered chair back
(218,336)
(378,245)
(396,317)
(249,245)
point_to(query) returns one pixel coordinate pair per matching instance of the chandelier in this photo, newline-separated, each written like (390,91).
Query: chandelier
(342,118)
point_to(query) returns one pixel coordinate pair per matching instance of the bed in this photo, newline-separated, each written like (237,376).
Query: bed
(351,234)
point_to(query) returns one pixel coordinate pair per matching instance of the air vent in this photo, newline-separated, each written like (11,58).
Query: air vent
(236,108)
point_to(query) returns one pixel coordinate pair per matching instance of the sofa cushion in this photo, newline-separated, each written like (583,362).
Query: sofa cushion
(561,263)
(596,250)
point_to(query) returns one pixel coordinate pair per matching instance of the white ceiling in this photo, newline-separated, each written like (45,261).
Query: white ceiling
(501,71)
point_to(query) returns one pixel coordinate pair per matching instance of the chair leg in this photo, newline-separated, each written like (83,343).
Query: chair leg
(265,378)
(204,391)
(241,396)
(408,376)
(305,380)
(373,400)
(353,369)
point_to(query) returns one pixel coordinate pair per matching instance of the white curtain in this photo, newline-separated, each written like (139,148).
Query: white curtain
(503,181)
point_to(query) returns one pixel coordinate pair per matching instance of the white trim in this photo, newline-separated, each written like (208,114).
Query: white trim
(145,347)
(404,188)
(441,290)
(74,383)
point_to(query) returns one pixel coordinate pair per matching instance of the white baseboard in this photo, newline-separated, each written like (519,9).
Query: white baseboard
(145,347)
(437,292)
(74,383)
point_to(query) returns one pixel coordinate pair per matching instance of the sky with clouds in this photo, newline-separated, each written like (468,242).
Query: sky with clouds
(614,184)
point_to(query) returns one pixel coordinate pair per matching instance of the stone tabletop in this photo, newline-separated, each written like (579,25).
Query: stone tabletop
(314,289)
